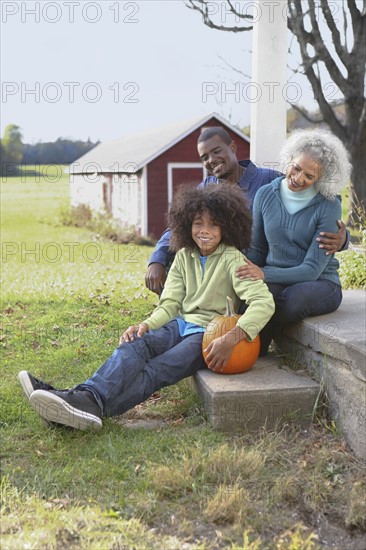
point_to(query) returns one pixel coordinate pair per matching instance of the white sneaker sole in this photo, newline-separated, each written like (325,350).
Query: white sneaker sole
(28,390)
(54,409)
(25,383)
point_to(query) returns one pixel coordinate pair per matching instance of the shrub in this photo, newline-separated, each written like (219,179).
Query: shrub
(76,216)
(352,263)
(352,270)
(102,224)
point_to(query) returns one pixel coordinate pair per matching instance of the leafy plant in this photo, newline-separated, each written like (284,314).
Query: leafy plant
(102,224)
(352,263)
(352,269)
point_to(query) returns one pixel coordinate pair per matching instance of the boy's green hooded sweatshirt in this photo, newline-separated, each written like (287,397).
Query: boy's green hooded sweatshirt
(198,296)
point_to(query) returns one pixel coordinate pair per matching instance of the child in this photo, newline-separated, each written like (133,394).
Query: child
(209,227)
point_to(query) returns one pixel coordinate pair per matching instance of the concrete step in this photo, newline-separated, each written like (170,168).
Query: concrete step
(330,348)
(333,350)
(266,395)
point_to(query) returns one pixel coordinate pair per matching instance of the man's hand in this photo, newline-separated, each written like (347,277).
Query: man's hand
(155,278)
(129,334)
(249,271)
(333,242)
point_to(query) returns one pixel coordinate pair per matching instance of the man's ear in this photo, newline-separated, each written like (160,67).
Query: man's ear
(233,146)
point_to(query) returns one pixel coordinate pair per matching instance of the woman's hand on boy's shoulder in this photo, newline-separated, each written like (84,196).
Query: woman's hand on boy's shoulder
(132,331)
(249,271)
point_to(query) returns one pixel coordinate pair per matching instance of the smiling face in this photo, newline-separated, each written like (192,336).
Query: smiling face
(206,233)
(302,173)
(218,157)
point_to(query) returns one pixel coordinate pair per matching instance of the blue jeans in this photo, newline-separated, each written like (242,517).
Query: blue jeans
(137,369)
(297,302)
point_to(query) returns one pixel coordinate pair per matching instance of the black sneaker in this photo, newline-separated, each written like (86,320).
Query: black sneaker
(30,383)
(75,408)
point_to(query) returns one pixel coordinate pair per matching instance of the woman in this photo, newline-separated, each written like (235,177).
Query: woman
(289,214)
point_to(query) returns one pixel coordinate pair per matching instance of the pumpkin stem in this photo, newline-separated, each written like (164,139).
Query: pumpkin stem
(229,307)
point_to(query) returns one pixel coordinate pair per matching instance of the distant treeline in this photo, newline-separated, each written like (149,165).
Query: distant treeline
(62,151)
(14,153)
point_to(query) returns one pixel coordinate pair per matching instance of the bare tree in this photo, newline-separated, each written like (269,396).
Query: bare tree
(342,59)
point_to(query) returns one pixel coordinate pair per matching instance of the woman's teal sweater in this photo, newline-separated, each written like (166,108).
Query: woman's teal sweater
(284,244)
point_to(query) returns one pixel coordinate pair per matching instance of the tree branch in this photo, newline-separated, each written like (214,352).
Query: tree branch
(354,11)
(202,8)
(233,10)
(234,68)
(306,115)
(342,52)
(325,108)
(315,39)
(297,27)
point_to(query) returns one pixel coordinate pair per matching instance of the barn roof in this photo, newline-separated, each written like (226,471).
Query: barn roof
(130,154)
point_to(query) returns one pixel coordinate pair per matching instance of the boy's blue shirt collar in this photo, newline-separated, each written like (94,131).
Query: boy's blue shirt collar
(219,250)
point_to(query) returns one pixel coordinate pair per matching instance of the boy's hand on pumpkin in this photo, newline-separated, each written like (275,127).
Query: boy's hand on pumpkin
(129,334)
(249,271)
(219,351)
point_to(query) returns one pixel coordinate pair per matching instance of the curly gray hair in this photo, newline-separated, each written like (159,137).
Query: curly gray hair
(327,150)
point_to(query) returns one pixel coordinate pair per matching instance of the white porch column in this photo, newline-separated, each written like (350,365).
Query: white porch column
(269,69)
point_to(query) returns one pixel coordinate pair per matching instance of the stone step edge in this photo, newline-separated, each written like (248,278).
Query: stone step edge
(230,408)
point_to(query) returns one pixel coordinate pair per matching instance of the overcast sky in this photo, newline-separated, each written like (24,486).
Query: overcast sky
(106,69)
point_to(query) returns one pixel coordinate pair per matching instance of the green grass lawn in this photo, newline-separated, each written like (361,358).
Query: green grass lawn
(159,477)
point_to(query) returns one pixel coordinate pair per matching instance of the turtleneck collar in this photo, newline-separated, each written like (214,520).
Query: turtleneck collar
(296,200)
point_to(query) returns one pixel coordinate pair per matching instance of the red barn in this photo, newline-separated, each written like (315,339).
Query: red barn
(134,178)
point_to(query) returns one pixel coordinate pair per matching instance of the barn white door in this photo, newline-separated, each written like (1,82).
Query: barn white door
(183,173)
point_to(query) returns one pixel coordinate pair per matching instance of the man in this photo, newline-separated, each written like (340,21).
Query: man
(217,152)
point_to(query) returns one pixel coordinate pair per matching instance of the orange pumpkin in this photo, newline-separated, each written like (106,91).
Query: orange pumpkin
(244,353)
